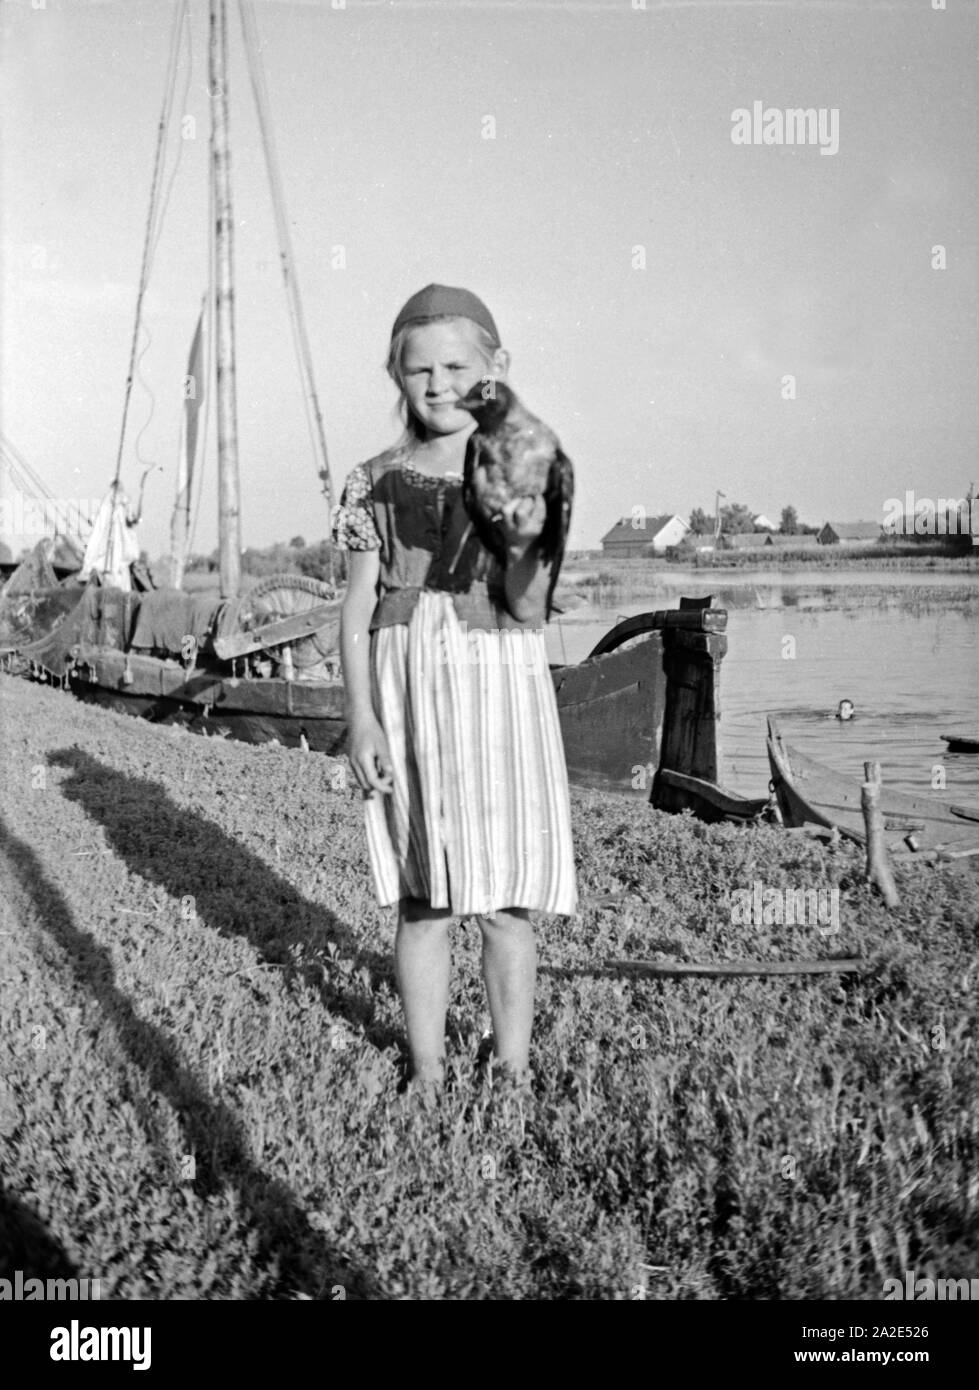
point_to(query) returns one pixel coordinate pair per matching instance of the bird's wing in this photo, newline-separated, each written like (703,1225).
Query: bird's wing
(487,533)
(557,524)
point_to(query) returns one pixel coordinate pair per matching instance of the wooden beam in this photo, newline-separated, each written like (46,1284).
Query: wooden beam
(289,629)
(710,797)
(667,968)
(663,619)
(692,663)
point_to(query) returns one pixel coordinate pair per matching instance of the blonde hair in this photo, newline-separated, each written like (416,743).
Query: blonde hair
(483,341)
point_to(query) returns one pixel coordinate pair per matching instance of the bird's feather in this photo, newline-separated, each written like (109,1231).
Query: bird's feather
(510,455)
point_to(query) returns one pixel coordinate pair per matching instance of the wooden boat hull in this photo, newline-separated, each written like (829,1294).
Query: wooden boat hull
(809,793)
(611,712)
(638,717)
(610,708)
(296,714)
(958,743)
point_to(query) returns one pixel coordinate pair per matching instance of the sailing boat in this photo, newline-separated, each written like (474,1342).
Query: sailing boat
(260,665)
(639,715)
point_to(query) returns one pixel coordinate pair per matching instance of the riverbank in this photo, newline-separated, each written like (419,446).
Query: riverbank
(619,582)
(821,557)
(204,1043)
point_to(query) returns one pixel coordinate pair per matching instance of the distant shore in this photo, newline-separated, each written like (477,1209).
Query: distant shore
(823,557)
(590,569)
(587,576)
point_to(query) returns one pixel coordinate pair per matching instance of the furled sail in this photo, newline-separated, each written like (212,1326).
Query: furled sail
(193,396)
(113,545)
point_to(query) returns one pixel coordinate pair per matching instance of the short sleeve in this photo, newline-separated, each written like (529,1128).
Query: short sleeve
(353,522)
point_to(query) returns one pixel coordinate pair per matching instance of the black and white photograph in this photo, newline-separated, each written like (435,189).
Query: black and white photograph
(489,653)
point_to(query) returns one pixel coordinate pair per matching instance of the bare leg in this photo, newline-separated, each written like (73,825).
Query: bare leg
(510,975)
(422,958)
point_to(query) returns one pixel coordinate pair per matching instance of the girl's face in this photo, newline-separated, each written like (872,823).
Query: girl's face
(441,362)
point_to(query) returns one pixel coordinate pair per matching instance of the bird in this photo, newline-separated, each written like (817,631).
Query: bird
(512,455)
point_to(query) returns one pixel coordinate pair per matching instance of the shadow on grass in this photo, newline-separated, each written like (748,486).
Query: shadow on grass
(234,891)
(212,1133)
(27,1245)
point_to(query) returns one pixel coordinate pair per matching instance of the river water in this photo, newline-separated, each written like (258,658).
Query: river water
(902,645)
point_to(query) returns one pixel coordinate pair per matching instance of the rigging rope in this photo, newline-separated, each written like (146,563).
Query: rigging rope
(15,460)
(165,113)
(160,218)
(32,484)
(314,415)
(180,144)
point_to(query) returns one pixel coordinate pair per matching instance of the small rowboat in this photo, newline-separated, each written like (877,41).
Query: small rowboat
(958,743)
(809,793)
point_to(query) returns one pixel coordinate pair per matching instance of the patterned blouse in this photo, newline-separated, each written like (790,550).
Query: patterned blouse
(353,522)
(354,527)
(419,525)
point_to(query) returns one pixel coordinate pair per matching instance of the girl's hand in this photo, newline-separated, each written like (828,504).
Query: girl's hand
(522,521)
(369,756)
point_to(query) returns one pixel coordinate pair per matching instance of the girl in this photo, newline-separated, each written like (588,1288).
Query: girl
(453,728)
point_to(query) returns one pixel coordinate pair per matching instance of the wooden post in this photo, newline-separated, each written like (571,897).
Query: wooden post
(878,864)
(692,713)
(229,507)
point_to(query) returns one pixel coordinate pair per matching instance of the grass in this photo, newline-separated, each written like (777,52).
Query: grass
(203,1045)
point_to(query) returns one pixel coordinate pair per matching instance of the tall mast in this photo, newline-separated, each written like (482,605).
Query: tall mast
(229,506)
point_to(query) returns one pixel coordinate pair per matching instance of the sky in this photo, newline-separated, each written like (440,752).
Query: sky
(656,283)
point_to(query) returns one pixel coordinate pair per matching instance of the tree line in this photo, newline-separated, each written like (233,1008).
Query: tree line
(294,557)
(737,519)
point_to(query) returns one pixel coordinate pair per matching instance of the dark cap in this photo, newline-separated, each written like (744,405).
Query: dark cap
(435,301)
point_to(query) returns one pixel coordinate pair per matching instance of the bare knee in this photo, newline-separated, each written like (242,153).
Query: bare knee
(510,920)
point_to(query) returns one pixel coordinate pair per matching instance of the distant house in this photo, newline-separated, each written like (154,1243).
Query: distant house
(849,532)
(648,535)
(762,523)
(789,542)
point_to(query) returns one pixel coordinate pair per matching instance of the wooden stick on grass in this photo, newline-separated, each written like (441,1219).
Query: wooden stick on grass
(878,865)
(736,967)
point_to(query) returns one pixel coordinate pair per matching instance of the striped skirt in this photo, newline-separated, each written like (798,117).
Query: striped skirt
(479,817)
